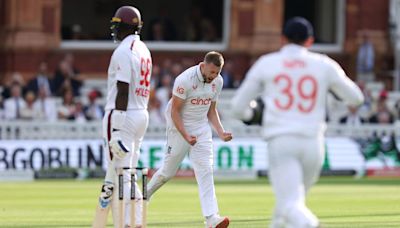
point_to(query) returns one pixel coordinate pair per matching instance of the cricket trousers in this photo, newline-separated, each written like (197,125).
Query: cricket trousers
(132,136)
(201,158)
(294,166)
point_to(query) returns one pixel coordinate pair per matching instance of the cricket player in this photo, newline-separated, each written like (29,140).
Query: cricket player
(294,85)
(192,106)
(126,117)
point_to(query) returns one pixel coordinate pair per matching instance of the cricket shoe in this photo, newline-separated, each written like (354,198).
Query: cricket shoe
(217,221)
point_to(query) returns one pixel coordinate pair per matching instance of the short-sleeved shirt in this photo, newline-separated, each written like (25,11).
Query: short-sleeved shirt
(198,95)
(294,84)
(130,63)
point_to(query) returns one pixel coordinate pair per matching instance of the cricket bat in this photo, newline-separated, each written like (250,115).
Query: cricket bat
(103,205)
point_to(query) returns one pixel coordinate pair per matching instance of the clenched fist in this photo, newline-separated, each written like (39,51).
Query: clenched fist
(191,139)
(225,136)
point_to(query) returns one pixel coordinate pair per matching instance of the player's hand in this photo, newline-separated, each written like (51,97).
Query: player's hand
(117,147)
(191,139)
(225,136)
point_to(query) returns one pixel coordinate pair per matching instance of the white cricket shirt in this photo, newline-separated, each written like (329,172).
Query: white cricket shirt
(131,63)
(294,84)
(198,95)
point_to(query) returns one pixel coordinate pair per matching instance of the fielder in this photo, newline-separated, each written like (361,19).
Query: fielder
(294,85)
(191,107)
(126,117)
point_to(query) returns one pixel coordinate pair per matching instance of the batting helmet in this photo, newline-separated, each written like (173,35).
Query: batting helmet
(126,18)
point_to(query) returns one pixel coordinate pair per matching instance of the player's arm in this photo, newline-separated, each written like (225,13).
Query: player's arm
(118,117)
(213,117)
(176,108)
(343,86)
(121,101)
(249,90)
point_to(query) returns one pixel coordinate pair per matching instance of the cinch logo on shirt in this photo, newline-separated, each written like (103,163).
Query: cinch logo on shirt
(200,101)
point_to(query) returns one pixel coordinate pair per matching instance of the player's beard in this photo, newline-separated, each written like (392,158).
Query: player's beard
(206,79)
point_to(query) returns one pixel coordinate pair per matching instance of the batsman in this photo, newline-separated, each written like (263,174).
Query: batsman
(126,116)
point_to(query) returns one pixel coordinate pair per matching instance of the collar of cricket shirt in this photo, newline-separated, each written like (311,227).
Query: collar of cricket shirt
(199,74)
(130,38)
(293,48)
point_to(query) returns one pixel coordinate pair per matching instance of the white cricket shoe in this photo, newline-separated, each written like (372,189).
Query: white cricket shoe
(217,221)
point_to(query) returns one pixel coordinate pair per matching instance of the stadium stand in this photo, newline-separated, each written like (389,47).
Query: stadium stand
(19,129)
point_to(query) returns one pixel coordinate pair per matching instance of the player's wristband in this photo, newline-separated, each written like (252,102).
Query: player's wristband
(118,118)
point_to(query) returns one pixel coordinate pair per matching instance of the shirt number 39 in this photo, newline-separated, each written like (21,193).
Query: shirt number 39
(300,95)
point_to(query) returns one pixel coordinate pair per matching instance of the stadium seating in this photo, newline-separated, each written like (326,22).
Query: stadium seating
(93,129)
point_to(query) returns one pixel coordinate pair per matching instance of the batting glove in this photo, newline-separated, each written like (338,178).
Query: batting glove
(106,194)
(117,147)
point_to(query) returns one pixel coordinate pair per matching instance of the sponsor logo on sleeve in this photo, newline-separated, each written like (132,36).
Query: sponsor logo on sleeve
(180,90)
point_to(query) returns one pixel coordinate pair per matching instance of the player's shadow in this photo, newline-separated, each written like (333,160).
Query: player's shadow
(44,226)
(359,215)
(175,224)
(351,224)
(240,222)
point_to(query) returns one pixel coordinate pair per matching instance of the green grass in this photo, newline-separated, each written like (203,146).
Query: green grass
(338,202)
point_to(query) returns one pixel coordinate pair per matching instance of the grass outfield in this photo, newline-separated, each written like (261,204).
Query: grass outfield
(338,202)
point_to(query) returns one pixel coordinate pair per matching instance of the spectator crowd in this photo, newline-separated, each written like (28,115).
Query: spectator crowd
(37,98)
(57,96)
